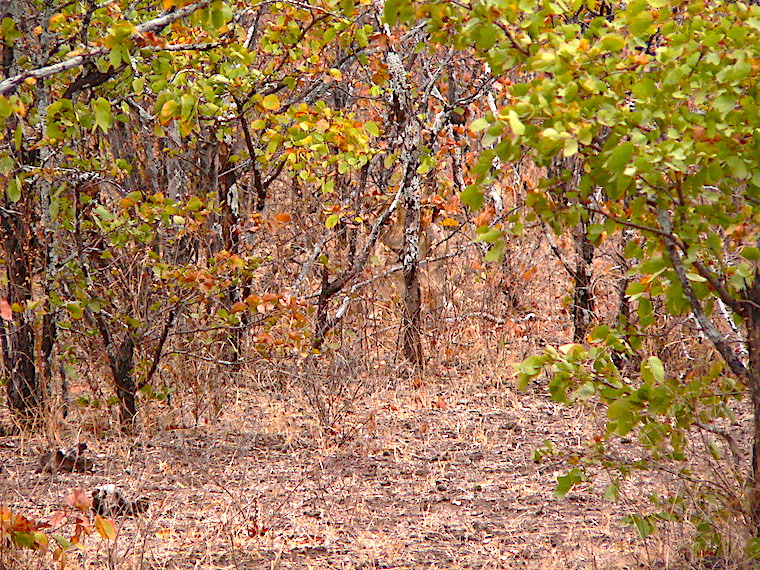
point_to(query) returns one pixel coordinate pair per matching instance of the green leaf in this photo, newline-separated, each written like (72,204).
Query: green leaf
(696,278)
(656,368)
(114,57)
(332,221)
(489,235)
(623,416)
(571,148)
(391,10)
(724,104)
(372,128)
(516,125)
(620,157)
(14,189)
(194,204)
(613,42)
(612,492)
(532,365)
(643,524)
(496,253)
(479,124)
(485,36)
(187,106)
(751,253)
(75,310)
(472,196)
(566,482)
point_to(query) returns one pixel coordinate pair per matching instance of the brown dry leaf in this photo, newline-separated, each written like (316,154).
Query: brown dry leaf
(441,404)
(80,500)
(58,519)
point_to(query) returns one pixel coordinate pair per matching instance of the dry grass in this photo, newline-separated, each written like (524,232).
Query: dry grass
(435,476)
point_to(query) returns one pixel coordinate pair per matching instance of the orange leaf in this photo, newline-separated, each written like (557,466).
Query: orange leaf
(238,307)
(22,524)
(283,217)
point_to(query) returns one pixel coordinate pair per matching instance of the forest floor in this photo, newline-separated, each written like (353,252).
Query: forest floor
(439,475)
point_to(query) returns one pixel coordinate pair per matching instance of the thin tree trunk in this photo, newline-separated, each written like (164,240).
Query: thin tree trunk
(229,200)
(567,171)
(411,342)
(323,324)
(409,135)
(48,246)
(749,309)
(583,300)
(121,364)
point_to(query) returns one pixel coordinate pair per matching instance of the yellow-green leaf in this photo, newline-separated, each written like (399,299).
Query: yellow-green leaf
(515,124)
(105,527)
(103,115)
(271,102)
(5,108)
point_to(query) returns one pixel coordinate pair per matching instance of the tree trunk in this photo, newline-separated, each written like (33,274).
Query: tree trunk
(19,224)
(25,394)
(229,201)
(49,247)
(409,137)
(567,172)
(752,302)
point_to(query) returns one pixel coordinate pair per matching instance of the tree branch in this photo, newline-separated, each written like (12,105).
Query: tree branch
(9,84)
(710,330)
